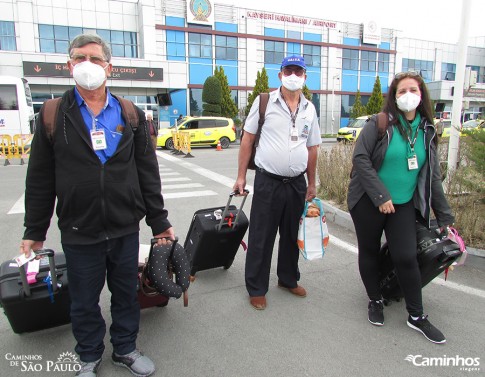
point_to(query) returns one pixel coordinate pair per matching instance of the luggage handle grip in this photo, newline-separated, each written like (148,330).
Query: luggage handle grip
(226,209)
(155,240)
(52,267)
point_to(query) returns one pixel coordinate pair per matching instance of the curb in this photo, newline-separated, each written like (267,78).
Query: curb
(344,220)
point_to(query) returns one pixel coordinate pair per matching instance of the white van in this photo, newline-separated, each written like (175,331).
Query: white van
(16,108)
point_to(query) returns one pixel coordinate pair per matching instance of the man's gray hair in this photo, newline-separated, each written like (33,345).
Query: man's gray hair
(84,39)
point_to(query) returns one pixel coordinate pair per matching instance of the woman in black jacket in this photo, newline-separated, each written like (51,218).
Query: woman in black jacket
(396,174)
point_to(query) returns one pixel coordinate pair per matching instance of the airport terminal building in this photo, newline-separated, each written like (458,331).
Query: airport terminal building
(163,51)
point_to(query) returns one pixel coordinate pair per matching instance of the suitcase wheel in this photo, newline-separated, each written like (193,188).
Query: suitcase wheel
(162,305)
(386,302)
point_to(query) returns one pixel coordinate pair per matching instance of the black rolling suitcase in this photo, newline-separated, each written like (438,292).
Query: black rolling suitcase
(435,253)
(215,235)
(40,305)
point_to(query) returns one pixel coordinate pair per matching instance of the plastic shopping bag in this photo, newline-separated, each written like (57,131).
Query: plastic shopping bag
(313,233)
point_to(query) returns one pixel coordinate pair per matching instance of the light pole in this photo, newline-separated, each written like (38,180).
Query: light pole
(336,76)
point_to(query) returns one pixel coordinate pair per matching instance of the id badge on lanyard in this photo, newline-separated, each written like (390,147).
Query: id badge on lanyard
(412,161)
(294,134)
(98,140)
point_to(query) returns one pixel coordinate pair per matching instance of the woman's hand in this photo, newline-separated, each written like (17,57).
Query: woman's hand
(387,208)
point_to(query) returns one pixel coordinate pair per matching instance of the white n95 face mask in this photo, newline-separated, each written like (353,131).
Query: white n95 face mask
(408,102)
(88,75)
(292,82)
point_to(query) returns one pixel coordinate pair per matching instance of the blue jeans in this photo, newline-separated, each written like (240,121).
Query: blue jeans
(88,266)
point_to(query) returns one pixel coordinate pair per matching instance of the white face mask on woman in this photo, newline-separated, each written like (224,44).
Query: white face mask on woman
(292,82)
(88,75)
(408,102)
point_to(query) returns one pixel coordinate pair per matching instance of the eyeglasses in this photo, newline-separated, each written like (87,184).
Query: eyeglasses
(297,71)
(78,58)
(402,75)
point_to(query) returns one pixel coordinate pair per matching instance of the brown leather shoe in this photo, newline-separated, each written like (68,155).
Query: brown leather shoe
(258,302)
(298,291)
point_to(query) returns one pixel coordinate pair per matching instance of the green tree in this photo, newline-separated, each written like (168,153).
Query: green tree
(358,109)
(212,97)
(306,93)
(228,106)
(261,86)
(376,99)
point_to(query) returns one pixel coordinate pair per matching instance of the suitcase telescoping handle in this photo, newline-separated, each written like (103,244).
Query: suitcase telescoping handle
(52,267)
(226,209)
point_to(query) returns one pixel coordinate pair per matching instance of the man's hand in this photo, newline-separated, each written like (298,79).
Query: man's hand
(311,193)
(26,246)
(162,237)
(238,187)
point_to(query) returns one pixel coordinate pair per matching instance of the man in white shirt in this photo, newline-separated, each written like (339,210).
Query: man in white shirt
(287,149)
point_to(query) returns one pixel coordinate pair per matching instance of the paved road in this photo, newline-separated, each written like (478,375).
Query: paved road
(219,334)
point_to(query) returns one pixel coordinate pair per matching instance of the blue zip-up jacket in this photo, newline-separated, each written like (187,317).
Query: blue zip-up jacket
(367,159)
(95,201)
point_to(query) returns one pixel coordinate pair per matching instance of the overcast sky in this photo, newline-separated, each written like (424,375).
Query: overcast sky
(436,20)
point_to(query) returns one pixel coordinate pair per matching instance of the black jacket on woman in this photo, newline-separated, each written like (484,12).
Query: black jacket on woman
(95,201)
(367,159)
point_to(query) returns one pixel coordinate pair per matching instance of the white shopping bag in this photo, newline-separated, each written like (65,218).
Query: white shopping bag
(313,233)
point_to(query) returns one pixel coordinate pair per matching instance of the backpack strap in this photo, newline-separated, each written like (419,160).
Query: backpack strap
(49,116)
(128,109)
(382,123)
(263,104)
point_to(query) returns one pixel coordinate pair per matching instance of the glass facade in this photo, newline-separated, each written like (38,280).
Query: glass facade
(312,55)
(200,45)
(424,67)
(350,59)
(7,36)
(226,48)
(56,38)
(274,52)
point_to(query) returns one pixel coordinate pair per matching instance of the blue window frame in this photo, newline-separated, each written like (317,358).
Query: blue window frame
(424,67)
(200,45)
(56,39)
(383,62)
(7,36)
(448,71)
(368,61)
(175,45)
(350,59)
(273,52)
(312,55)
(226,48)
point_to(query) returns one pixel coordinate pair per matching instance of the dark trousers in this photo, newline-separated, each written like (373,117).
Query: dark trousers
(88,266)
(400,231)
(276,206)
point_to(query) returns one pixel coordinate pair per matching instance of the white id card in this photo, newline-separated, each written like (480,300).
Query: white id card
(412,162)
(294,134)
(98,140)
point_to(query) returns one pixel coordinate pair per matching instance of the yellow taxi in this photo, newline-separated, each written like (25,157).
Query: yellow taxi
(203,130)
(352,131)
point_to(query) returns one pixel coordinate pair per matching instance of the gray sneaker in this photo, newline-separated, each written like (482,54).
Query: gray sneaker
(138,364)
(89,369)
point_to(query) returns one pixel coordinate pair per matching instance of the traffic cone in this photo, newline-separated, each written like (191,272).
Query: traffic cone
(219,148)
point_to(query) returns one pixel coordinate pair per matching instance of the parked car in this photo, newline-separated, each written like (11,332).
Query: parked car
(352,131)
(474,124)
(203,131)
